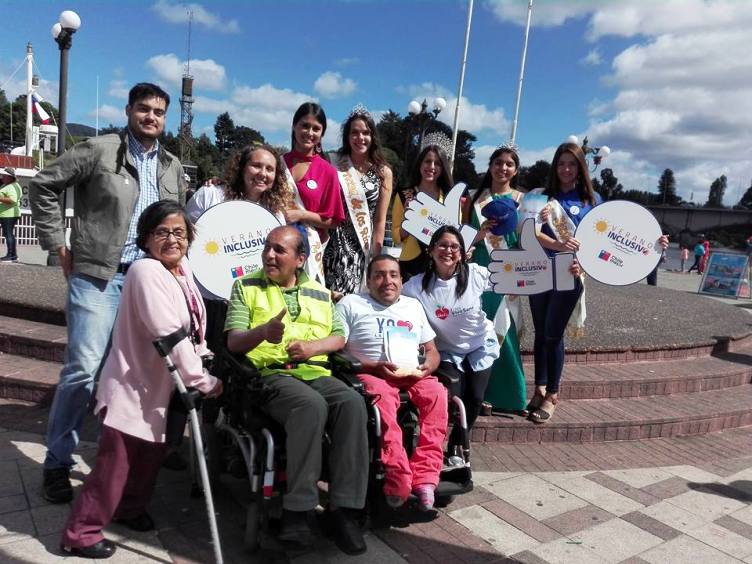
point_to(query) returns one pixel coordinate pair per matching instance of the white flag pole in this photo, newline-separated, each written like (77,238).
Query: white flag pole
(522,73)
(455,127)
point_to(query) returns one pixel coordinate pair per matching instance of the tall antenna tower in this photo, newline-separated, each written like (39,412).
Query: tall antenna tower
(185,135)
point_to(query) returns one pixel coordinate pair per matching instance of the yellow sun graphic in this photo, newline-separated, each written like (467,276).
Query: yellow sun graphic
(423,212)
(211,247)
(507,267)
(601,226)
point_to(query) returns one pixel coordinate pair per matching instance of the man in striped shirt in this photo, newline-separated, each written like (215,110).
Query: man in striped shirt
(114,178)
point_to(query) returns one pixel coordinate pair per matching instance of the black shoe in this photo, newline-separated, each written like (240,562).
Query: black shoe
(9,259)
(140,523)
(347,534)
(57,487)
(294,529)
(103,549)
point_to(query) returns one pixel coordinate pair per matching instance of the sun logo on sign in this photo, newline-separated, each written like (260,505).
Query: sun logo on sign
(211,247)
(424,212)
(601,226)
(507,267)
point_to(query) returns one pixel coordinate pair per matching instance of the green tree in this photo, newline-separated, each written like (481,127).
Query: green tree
(223,131)
(746,200)
(717,190)
(667,189)
(242,136)
(110,129)
(535,176)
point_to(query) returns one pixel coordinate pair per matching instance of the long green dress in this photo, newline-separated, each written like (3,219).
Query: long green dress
(506,387)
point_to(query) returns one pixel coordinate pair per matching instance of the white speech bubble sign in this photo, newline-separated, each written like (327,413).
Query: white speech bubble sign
(229,239)
(618,243)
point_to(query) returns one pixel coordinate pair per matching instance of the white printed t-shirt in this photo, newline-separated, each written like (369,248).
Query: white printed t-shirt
(461,325)
(365,321)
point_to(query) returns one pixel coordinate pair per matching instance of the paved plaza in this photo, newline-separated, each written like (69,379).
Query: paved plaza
(664,500)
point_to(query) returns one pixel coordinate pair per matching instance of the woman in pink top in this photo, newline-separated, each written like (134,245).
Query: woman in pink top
(159,298)
(316,180)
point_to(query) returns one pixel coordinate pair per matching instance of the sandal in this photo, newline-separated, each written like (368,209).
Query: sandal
(546,410)
(536,400)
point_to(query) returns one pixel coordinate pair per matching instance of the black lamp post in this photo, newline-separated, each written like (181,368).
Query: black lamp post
(598,153)
(421,116)
(62,33)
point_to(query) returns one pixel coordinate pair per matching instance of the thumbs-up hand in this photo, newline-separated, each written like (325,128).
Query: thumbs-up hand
(424,215)
(274,329)
(524,271)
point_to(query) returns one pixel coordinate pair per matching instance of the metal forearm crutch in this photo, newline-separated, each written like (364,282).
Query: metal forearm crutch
(164,346)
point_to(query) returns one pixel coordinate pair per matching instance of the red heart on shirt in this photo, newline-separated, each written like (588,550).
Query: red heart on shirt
(405,324)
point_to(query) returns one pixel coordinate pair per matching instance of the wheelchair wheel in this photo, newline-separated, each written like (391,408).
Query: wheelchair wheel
(252,526)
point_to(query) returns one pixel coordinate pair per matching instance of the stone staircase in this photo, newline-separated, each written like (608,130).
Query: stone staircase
(620,396)
(613,394)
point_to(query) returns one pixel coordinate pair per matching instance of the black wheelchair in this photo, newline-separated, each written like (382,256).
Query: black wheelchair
(261,443)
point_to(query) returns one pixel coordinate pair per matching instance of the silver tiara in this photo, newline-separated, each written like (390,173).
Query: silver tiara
(359,110)
(437,139)
(508,146)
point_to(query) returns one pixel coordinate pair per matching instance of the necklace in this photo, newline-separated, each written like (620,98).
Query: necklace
(363,167)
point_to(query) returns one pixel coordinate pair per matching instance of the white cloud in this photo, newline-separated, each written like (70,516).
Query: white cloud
(178,14)
(546,13)
(208,75)
(109,114)
(474,118)
(119,89)
(592,58)
(334,85)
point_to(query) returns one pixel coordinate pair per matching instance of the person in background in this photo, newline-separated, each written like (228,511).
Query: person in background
(10,211)
(706,256)
(506,387)
(684,257)
(114,178)
(366,182)
(313,183)
(159,299)
(430,174)
(699,252)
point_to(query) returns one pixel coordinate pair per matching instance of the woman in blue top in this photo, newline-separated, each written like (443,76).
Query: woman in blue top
(569,185)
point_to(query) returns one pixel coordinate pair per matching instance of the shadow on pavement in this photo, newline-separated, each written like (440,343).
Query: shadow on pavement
(740,490)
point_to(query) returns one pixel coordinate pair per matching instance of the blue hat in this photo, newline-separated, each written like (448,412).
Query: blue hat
(504,211)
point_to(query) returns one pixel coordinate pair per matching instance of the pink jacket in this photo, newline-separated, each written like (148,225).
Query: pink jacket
(135,384)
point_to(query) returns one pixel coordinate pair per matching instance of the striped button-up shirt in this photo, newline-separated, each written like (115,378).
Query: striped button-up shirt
(146,164)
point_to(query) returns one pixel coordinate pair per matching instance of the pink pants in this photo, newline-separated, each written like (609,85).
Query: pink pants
(119,487)
(430,398)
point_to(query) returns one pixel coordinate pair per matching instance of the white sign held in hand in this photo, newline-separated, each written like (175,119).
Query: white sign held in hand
(529,270)
(424,215)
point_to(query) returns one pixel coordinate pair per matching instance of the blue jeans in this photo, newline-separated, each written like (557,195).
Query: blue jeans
(8,224)
(91,310)
(551,312)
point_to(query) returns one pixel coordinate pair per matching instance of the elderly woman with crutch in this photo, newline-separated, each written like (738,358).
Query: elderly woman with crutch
(159,299)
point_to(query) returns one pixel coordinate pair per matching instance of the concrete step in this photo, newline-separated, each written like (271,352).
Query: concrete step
(655,378)
(27,379)
(32,339)
(598,420)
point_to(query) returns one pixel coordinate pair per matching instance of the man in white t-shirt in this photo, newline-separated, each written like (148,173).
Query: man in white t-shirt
(370,321)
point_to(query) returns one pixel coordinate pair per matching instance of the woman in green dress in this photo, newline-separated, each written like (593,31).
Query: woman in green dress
(506,388)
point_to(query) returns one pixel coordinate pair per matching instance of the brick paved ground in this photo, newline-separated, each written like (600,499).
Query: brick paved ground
(662,501)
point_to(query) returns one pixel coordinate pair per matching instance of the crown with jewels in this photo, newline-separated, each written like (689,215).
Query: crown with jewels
(437,139)
(359,111)
(508,146)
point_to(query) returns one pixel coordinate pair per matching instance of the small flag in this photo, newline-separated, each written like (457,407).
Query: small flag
(38,109)
(426,231)
(236,271)
(604,255)
(520,283)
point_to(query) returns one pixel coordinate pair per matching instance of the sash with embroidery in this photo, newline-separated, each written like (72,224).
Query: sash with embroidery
(357,206)
(314,265)
(510,306)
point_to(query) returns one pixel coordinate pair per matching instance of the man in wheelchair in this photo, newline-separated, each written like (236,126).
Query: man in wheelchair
(285,324)
(371,320)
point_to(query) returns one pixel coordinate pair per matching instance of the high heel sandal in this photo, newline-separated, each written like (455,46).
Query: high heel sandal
(537,399)
(546,410)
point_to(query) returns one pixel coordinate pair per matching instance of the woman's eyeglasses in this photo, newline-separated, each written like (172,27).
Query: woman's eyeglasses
(454,247)
(161,234)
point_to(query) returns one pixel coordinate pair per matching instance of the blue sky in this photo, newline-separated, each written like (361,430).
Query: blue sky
(663,84)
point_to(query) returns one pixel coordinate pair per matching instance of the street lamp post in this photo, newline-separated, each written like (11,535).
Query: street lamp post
(420,114)
(62,33)
(598,153)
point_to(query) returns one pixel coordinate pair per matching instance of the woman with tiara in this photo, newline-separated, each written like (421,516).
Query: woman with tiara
(506,387)
(366,182)
(313,183)
(430,174)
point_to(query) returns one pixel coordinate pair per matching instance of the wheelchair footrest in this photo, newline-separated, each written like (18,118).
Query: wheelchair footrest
(446,489)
